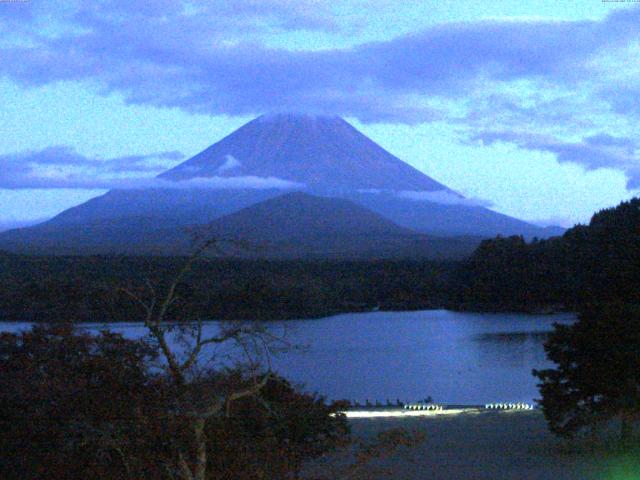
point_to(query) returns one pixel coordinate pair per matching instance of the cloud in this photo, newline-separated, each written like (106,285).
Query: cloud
(593,152)
(624,100)
(230,162)
(443,197)
(138,183)
(212,57)
(62,167)
(65,156)
(219,15)
(221,183)
(606,140)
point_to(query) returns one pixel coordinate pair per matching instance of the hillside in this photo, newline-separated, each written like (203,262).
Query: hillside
(323,153)
(289,226)
(301,225)
(598,262)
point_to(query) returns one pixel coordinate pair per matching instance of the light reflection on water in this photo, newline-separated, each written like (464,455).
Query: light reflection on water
(460,358)
(453,357)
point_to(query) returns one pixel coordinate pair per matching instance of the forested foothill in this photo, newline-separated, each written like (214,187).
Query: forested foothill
(90,288)
(594,263)
(599,262)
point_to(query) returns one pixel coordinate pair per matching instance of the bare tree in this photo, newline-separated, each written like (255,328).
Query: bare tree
(198,399)
(195,399)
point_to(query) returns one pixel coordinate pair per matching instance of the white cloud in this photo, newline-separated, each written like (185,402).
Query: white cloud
(106,183)
(62,168)
(444,197)
(221,183)
(230,162)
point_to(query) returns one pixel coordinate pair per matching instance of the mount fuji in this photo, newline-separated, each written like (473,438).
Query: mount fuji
(322,156)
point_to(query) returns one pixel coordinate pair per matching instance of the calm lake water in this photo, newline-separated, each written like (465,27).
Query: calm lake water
(464,358)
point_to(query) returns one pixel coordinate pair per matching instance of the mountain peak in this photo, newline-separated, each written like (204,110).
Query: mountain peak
(298,215)
(323,152)
(297,117)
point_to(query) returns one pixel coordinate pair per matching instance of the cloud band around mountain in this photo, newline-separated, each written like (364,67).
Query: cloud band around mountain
(62,167)
(443,197)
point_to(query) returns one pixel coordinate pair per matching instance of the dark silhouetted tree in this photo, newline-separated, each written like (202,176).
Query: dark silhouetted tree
(597,373)
(78,406)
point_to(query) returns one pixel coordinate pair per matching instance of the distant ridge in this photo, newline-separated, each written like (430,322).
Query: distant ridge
(291,226)
(299,217)
(299,225)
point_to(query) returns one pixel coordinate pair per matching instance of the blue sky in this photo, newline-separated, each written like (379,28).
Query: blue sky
(530,106)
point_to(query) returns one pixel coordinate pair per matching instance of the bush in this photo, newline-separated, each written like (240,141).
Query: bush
(77,406)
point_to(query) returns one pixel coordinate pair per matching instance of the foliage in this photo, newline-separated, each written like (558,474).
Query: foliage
(597,373)
(77,406)
(89,288)
(506,274)
(599,262)
(270,436)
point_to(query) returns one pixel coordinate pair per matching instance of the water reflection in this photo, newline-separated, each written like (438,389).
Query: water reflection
(517,349)
(453,357)
(460,358)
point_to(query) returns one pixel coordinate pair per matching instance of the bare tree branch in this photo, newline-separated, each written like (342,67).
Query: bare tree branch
(194,465)
(247,392)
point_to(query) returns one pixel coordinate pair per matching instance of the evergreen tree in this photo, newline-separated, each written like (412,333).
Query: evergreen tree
(597,373)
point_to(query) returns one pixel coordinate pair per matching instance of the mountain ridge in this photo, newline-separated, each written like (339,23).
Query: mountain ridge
(304,226)
(296,225)
(319,155)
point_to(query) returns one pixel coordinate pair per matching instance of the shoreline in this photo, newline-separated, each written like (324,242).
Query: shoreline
(91,323)
(397,412)
(481,445)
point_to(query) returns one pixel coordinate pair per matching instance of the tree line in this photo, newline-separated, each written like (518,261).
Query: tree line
(593,270)
(54,288)
(594,263)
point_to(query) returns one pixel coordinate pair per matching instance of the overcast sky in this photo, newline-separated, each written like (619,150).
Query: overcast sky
(530,106)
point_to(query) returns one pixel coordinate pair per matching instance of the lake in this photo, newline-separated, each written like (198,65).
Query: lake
(454,357)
